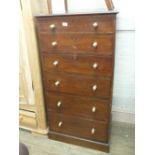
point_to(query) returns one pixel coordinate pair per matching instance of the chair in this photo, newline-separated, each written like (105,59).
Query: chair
(109,4)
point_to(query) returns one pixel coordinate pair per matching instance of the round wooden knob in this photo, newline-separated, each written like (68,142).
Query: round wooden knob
(55,63)
(93,109)
(94,87)
(95,44)
(95,25)
(54,43)
(95,65)
(57,83)
(59,104)
(93,131)
(60,124)
(52,26)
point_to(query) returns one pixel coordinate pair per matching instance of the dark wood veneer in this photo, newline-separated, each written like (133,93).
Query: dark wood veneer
(79,64)
(79,141)
(81,23)
(78,85)
(79,127)
(79,43)
(78,106)
(74,119)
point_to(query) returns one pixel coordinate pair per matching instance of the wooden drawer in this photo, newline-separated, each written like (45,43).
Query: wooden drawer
(93,23)
(80,85)
(94,130)
(83,64)
(77,43)
(78,106)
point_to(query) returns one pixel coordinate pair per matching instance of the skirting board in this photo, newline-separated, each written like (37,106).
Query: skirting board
(123,117)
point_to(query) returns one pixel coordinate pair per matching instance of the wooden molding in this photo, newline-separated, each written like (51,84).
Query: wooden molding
(27,15)
(33,130)
(28,120)
(27,107)
(79,141)
(27,113)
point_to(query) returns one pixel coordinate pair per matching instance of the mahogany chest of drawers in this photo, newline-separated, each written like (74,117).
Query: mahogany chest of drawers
(77,62)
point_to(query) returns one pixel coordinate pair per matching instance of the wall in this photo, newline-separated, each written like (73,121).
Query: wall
(123,92)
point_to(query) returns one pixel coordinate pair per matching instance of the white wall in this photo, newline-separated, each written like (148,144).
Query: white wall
(123,93)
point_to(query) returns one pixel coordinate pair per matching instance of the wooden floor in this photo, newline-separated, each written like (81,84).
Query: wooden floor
(122,143)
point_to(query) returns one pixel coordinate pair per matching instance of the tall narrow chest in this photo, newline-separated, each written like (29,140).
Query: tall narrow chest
(77,63)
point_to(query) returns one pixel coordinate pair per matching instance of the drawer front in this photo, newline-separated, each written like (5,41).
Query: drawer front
(78,106)
(94,130)
(79,43)
(93,23)
(81,64)
(80,85)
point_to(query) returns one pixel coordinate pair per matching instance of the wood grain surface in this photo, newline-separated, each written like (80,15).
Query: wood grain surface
(78,64)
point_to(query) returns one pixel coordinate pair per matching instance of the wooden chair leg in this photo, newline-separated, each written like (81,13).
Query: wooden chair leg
(66,6)
(49,4)
(109,4)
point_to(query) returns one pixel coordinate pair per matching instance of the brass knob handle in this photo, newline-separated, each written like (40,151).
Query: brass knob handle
(60,124)
(95,65)
(95,44)
(55,63)
(94,87)
(52,26)
(57,83)
(95,24)
(93,131)
(54,43)
(59,104)
(93,109)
